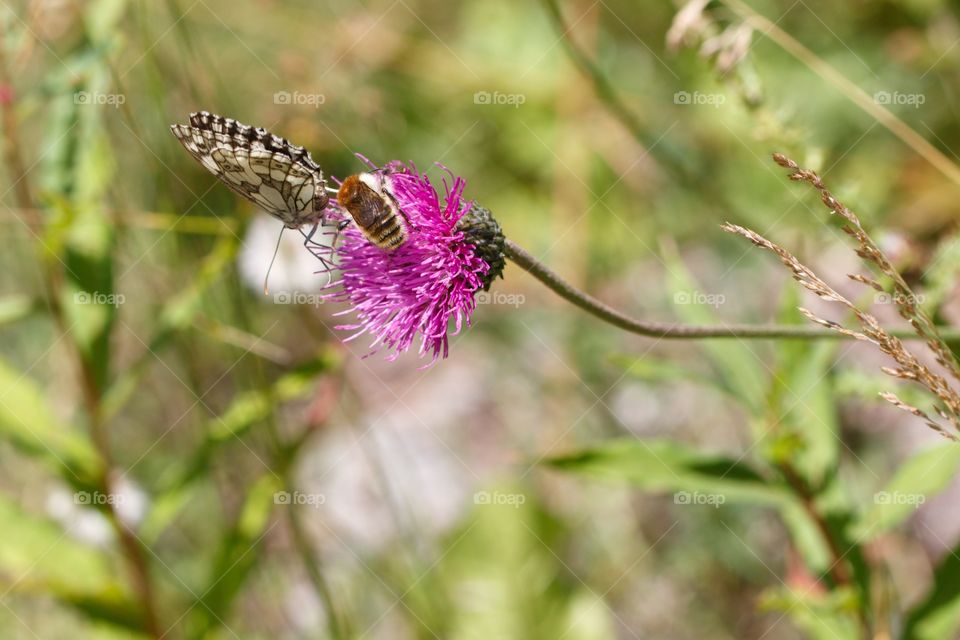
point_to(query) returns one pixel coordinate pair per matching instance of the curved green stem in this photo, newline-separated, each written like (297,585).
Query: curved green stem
(674,330)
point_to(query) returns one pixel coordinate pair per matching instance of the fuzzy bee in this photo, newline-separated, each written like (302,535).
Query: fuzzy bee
(372,205)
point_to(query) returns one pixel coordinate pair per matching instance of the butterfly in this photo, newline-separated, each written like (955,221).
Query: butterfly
(274,174)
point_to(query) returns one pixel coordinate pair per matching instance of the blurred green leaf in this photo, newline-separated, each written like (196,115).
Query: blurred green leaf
(665,466)
(739,369)
(247,409)
(16,307)
(87,165)
(652,369)
(177,314)
(102,17)
(807,537)
(38,557)
(503,578)
(920,477)
(867,385)
(253,406)
(940,276)
(803,398)
(238,554)
(938,615)
(27,423)
(821,616)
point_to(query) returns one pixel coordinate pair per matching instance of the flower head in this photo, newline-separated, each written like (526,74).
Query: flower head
(425,286)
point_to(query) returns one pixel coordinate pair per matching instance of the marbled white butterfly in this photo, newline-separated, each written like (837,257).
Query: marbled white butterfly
(266,169)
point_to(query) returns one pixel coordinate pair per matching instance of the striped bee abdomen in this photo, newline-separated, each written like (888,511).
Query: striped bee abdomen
(373,209)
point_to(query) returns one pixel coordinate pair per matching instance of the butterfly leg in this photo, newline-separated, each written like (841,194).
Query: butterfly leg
(309,236)
(317,250)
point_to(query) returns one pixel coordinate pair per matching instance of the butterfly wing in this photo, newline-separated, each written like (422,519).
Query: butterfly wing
(266,169)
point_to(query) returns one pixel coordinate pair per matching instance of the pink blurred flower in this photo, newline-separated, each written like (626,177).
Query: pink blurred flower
(423,286)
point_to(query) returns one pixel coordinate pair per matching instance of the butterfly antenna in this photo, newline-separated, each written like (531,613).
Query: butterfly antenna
(276,250)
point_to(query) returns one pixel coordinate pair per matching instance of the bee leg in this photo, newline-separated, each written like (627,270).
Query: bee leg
(341,225)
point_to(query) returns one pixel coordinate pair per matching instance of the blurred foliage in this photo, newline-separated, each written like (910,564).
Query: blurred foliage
(183,457)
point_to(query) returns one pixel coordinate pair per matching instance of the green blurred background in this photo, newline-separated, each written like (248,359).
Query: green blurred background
(184,457)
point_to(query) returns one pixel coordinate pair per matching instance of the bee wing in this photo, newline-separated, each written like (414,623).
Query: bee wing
(266,169)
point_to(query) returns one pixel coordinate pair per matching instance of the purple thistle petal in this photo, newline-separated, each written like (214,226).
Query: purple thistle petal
(422,285)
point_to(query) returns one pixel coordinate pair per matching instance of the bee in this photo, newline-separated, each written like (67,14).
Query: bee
(372,205)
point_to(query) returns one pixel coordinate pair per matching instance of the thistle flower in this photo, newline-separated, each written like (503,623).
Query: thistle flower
(426,286)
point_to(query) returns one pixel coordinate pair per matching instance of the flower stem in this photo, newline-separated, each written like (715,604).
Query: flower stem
(674,330)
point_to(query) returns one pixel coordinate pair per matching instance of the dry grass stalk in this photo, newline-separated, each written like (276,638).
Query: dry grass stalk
(903,297)
(909,366)
(726,45)
(900,404)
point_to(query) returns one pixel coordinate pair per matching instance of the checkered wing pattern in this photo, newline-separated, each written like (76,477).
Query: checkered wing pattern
(279,177)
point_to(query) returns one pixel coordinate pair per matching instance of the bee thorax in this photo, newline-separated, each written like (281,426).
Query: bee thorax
(374,210)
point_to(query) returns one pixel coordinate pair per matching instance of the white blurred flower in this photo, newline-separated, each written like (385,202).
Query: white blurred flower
(398,461)
(132,502)
(82,523)
(295,269)
(407,459)
(304,609)
(78,513)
